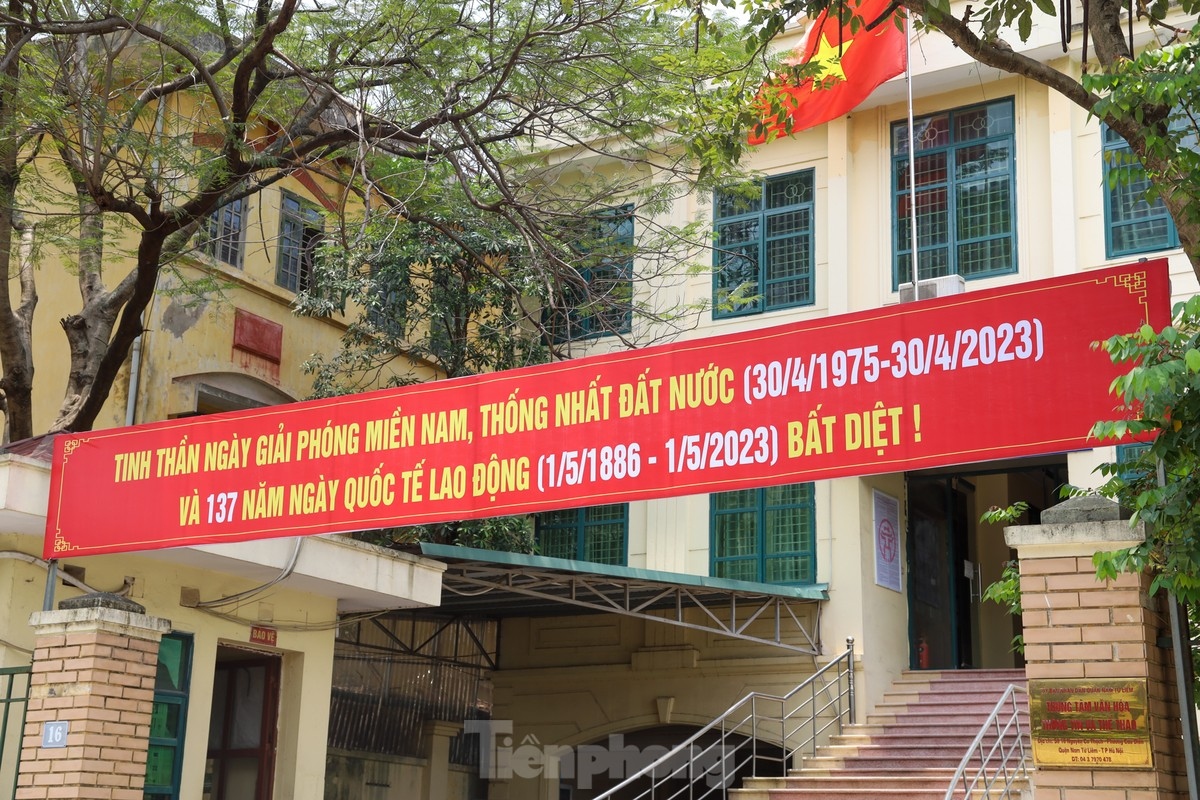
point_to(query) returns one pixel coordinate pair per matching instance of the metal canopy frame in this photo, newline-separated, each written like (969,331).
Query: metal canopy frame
(481,582)
(398,630)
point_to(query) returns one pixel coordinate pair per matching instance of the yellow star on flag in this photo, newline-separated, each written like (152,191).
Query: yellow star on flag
(828,60)
(846,60)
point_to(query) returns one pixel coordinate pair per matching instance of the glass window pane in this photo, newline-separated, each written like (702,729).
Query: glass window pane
(929,133)
(735,535)
(160,765)
(216,726)
(787,531)
(737,271)
(982,122)
(596,533)
(984,209)
(605,544)
(600,303)
(985,159)
(170,675)
(750,274)
(789,494)
(790,569)
(1128,199)
(965,161)
(930,170)
(604,513)
(730,234)
(1136,223)
(164,720)
(300,233)
(789,258)
(982,258)
(222,234)
(788,222)
(789,190)
(241,777)
(557,542)
(1142,236)
(739,200)
(764,534)
(743,498)
(933,263)
(741,570)
(933,219)
(249,683)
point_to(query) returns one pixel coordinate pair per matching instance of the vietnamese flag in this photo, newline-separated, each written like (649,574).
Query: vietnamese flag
(850,64)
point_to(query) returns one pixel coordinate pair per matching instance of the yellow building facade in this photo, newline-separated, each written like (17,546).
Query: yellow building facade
(562,680)
(243,694)
(1038,163)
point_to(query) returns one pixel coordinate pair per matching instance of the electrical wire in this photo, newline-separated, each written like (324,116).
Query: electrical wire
(249,593)
(17,555)
(299,627)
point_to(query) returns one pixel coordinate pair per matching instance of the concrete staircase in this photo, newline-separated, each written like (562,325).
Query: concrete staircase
(909,747)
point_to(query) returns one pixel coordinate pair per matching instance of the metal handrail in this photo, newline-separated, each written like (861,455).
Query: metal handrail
(820,705)
(997,763)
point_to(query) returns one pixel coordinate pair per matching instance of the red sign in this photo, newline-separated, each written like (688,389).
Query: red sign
(263,635)
(984,375)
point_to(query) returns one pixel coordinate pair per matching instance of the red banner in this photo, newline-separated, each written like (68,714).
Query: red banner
(979,376)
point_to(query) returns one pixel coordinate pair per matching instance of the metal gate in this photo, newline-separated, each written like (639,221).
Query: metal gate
(14,699)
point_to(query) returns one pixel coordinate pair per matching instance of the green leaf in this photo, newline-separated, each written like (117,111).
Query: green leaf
(1193,360)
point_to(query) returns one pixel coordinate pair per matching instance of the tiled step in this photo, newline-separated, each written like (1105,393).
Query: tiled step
(903,737)
(884,761)
(924,728)
(909,747)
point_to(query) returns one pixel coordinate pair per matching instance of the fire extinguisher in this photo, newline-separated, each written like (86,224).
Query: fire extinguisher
(922,653)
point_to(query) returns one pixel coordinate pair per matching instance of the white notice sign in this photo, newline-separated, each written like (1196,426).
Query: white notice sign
(887,541)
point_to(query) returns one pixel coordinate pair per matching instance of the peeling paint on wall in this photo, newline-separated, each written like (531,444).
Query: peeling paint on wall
(179,318)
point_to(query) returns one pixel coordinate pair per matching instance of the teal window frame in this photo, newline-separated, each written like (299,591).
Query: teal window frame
(1127,454)
(596,534)
(225,233)
(301,230)
(764,535)
(610,276)
(763,249)
(170,692)
(1130,452)
(1132,224)
(962,154)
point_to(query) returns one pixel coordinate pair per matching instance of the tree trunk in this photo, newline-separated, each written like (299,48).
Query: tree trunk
(109,351)
(17,380)
(87,332)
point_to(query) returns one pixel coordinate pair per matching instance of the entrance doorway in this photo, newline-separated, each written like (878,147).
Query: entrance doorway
(242,726)
(952,557)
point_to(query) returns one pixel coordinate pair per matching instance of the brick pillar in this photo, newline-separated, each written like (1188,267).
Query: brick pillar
(93,672)
(1080,629)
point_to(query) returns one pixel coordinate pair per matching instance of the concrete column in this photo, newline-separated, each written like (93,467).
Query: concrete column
(1081,629)
(437,735)
(93,675)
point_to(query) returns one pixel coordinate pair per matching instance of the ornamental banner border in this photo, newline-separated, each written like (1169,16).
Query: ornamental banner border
(984,375)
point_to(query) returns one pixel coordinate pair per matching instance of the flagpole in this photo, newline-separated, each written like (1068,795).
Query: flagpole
(912,151)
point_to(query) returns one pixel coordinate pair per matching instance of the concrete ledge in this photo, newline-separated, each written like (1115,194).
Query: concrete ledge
(106,620)
(362,577)
(1073,539)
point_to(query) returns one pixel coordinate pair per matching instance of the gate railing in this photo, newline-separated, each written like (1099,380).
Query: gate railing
(757,731)
(997,758)
(14,699)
